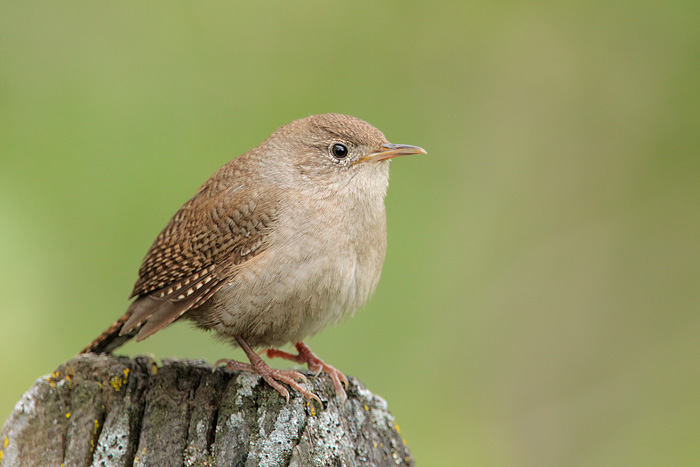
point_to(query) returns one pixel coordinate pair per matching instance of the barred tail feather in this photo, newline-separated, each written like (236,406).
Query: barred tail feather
(111,338)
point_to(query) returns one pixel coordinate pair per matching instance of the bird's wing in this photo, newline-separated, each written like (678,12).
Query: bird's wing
(195,254)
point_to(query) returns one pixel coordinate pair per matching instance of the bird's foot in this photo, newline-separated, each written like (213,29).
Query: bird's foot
(315,364)
(272,376)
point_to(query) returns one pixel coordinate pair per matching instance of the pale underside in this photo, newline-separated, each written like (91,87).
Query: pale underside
(264,266)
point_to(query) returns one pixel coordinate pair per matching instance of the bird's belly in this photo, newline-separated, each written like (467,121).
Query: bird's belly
(277,303)
(322,273)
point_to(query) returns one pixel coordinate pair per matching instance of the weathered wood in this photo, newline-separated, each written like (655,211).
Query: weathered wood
(114,411)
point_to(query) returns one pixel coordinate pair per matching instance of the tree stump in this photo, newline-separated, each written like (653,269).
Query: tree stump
(102,410)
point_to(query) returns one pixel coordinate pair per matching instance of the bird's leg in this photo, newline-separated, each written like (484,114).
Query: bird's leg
(273,376)
(315,364)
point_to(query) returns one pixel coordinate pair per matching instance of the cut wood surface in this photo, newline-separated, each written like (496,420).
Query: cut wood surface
(115,411)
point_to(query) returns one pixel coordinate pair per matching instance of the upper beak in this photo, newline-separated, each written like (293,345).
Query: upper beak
(392,150)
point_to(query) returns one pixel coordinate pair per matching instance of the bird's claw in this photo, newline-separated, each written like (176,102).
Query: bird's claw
(316,365)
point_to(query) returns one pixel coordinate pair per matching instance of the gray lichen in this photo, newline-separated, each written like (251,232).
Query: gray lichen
(113,411)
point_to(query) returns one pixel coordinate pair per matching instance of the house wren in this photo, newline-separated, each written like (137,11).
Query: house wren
(280,242)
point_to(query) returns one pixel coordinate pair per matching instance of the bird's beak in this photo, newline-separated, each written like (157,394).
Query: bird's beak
(392,150)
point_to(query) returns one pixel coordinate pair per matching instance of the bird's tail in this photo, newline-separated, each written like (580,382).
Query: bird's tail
(110,339)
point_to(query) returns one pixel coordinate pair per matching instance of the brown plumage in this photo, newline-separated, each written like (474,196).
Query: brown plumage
(279,242)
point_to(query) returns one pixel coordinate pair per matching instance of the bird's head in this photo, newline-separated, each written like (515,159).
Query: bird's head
(334,152)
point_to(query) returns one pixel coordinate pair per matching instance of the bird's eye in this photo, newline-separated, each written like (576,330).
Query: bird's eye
(339,151)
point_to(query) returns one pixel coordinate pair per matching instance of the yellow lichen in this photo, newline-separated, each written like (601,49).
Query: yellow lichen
(118,381)
(396,427)
(5,442)
(68,415)
(97,425)
(312,407)
(53,377)
(366,408)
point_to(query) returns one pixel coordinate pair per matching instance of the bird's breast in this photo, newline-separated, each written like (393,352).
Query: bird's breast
(338,256)
(315,270)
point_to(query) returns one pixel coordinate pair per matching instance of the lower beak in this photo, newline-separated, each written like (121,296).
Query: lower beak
(392,150)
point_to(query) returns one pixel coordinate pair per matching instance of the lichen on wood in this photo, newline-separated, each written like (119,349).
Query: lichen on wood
(115,411)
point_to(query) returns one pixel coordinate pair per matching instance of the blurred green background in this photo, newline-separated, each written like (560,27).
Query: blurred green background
(540,299)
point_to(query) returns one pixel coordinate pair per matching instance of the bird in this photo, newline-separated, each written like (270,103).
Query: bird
(280,242)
